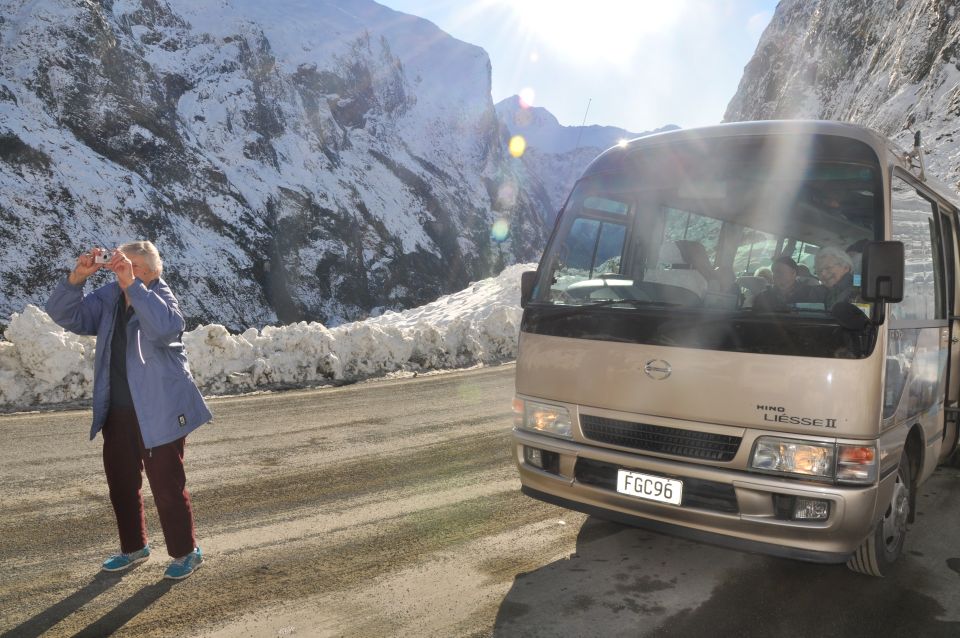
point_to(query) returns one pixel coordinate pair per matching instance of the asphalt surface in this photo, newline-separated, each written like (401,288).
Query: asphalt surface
(392,508)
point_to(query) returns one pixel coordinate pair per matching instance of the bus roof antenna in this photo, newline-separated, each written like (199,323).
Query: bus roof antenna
(916,154)
(580,133)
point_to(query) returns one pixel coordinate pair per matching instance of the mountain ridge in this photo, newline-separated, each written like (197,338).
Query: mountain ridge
(556,155)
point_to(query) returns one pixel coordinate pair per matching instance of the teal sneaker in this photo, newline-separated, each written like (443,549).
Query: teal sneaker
(120,562)
(182,567)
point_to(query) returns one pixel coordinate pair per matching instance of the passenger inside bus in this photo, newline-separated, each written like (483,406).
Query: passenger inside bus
(835,269)
(765,273)
(752,285)
(787,289)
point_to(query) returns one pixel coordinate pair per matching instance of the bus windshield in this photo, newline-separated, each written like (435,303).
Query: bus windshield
(758,228)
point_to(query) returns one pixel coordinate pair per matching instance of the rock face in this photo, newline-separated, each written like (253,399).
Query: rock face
(556,155)
(292,160)
(893,66)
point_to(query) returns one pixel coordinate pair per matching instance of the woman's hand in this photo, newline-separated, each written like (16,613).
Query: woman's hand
(86,266)
(122,267)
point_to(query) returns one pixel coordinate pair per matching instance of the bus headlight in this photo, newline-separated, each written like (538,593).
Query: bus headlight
(790,456)
(542,418)
(844,462)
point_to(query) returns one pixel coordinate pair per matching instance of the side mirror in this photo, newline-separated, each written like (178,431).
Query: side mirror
(528,281)
(882,272)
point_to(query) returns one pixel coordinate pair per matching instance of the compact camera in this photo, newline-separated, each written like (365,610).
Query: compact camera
(103,258)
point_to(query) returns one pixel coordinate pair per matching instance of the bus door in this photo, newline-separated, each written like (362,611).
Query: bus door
(919,345)
(947,216)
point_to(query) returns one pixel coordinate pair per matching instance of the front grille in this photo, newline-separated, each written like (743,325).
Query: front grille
(699,493)
(654,438)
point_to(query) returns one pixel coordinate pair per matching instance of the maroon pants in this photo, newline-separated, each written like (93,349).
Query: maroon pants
(124,459)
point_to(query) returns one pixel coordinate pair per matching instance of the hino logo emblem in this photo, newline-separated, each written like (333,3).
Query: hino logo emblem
(657,369)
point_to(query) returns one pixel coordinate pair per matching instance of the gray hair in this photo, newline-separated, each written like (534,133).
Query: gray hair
(839,254)
(148,251)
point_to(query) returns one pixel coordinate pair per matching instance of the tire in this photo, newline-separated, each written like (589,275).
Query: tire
(884,545)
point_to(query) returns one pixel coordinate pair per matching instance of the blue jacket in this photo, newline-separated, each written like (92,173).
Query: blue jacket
(167,401)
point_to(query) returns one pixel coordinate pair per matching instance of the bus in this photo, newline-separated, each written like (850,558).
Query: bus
(746,334)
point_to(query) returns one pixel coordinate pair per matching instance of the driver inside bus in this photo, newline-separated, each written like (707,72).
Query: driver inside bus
(834,268)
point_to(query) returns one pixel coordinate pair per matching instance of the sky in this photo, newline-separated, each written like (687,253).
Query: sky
(636,64)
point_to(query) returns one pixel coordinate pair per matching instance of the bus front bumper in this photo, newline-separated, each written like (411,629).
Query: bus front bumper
(722,506)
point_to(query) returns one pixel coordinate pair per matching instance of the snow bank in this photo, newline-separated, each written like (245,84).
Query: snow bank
(41,364)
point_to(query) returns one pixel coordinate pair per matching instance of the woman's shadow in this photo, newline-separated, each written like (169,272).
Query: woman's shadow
(105,625)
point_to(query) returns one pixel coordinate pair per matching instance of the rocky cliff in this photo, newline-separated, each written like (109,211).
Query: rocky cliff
(893,66)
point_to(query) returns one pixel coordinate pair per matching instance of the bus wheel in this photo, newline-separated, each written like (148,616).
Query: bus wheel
(882,547)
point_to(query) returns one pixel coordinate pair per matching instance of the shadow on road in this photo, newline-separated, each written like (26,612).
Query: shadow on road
(55,613)
(126,611)
(625,581)
(109,623)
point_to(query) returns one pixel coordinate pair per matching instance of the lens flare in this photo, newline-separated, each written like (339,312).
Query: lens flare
(527,96)
(534,56)
(500,230)
(506,196)
(517,145)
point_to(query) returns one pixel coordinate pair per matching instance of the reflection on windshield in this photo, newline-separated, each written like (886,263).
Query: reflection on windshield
(745,225)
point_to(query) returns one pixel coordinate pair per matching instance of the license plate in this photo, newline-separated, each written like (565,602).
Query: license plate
(649,487)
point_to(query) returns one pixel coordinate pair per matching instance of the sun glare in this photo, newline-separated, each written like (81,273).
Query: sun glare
(609,31)
(527,96)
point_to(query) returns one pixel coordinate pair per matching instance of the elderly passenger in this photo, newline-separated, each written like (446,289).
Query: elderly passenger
(834,268)
(765,273)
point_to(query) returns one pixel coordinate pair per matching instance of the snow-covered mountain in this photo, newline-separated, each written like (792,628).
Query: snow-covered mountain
(294,159)
(555,154)
(893,66)
(543,131)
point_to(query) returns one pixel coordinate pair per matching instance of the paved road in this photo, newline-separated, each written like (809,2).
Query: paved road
(391,508)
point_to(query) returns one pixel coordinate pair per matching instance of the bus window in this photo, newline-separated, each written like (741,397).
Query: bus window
(805,255)
(593,248)
(913,224)
(756,250)
(687,226)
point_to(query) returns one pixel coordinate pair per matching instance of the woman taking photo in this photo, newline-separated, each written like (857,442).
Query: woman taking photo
(144,399)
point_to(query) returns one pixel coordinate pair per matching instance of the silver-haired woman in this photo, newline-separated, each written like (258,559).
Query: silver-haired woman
(834,268)
(144,399)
